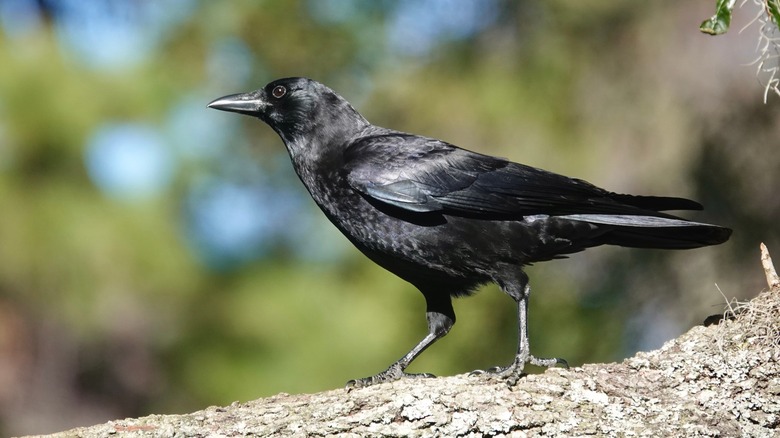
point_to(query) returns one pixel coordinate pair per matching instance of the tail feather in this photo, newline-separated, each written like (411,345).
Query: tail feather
(658,203)
(668,238)
(656,232)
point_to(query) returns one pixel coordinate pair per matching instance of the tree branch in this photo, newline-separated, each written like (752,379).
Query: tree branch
(721,380)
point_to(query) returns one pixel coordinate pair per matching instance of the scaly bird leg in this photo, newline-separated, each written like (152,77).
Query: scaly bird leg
(514,371)
(440,318)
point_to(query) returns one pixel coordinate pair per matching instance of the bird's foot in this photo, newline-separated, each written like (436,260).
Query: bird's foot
(389,375)
(513,372)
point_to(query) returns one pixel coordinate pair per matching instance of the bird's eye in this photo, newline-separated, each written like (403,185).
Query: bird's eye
(279,92)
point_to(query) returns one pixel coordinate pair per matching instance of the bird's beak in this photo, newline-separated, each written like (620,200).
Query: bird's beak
(251,104)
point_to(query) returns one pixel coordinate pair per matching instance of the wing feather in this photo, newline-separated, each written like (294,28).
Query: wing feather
(424,175)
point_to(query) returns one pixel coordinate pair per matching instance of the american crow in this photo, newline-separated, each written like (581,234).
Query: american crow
(446,219)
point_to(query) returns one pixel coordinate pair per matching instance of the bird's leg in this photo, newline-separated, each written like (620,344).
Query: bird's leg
(440,318)
(514,371)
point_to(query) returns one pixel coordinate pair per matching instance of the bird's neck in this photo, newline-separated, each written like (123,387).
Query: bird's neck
(319,162)
(317,150)
(318,142)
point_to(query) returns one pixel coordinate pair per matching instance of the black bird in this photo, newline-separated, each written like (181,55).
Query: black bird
(446,219)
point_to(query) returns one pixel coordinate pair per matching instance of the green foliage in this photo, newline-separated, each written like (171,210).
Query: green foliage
(719,23)
(773,9)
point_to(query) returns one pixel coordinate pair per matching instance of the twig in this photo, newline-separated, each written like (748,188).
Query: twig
(769,269)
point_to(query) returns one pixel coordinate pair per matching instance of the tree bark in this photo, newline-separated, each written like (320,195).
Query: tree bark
(720,380)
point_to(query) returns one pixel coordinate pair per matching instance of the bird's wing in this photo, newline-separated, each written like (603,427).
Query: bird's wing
(420,174)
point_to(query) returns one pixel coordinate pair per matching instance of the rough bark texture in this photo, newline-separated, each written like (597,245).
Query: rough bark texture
(721,380)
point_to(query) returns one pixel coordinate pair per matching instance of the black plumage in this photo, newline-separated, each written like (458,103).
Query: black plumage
(447,219)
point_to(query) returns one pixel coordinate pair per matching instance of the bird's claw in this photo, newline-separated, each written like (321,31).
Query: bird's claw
(513,372)
(548,362)
(389,375)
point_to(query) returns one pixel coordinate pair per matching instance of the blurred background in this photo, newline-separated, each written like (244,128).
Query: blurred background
(160,257)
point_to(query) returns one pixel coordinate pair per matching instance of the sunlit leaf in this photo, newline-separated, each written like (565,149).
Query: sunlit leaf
(773,9)
(719,23)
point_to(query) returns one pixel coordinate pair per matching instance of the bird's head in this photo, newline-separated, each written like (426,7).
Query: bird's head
(304,113)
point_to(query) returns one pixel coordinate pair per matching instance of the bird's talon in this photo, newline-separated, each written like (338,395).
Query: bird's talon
(514,372)
(390,375)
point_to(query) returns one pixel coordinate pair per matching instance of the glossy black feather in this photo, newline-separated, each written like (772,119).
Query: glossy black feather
(423,174)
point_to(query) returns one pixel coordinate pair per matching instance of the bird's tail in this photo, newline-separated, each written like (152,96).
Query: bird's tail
(688,237)
(655,232)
